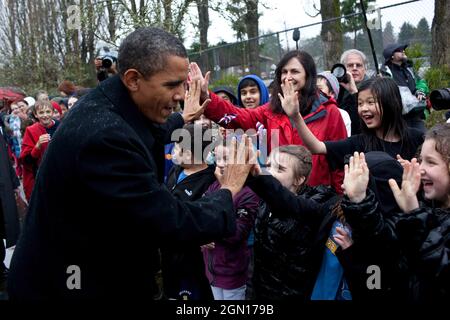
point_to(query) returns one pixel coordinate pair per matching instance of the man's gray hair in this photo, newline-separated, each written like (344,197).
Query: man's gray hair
(357,52)
(146,50)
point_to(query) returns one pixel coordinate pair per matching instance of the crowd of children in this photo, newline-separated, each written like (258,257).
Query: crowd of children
(327,206)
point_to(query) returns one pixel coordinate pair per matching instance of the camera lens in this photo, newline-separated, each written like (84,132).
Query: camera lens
(440,99)
(107,62)
(339,71)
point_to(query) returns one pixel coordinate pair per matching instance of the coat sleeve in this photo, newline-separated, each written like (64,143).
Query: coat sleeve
(29,152)
(375,244)
(245,118)
(425,238)
(120,176)
(336,131)
(246,210)
(283,202)
(366,219)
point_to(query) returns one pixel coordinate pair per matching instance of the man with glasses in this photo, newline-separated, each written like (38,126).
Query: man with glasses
(397,67)
(355,62)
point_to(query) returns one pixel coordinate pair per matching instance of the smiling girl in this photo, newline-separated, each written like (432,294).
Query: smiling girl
(35,142)
(382,126)
(424,231)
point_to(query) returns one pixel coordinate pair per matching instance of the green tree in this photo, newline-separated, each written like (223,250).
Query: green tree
(423,30)
(356,22)
(407,33)
(331,32)
(269,46)
(388,34)
(423,35)
(244,17)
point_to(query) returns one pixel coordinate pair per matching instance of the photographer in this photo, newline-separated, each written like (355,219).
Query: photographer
(105,64)
(397,67)
(354,63)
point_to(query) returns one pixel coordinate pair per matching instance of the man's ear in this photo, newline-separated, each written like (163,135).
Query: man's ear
(131,79)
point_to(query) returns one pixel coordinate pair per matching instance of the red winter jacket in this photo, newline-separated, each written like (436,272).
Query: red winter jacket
(324,121)
(30,156)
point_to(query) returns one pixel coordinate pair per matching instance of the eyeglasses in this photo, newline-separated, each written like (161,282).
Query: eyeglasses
(354,65)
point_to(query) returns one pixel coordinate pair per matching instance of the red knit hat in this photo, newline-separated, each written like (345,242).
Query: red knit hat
(57,107)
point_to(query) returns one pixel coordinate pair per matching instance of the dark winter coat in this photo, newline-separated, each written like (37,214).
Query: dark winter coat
(184,262)
(412,251)
(286,263)
(9,220)
(374,245)
(424,236)
(99,205)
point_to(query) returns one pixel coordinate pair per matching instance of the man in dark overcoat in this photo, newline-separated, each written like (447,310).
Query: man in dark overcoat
(99,210)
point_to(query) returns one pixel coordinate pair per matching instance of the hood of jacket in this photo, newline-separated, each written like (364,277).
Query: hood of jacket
(264,92)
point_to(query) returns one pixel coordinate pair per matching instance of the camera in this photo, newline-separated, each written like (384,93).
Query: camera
(108,58)
(440,99)
(107,61)
(340,72)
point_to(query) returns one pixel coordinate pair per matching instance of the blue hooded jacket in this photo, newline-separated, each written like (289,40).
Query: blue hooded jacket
(264,92)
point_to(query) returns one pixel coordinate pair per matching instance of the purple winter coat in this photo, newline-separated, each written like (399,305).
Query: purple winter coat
(226,266)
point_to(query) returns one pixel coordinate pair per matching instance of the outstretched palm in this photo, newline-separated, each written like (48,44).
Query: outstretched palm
(289,99)
(356,178)
(406,197)
(195,74)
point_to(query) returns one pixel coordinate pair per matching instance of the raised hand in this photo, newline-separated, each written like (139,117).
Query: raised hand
(406,197)
(402,161)
(238,165)
(218,173)
(196,74)
(342,238)
(208,246)
(356,178)
(192,109)
(350,86)
(43,138)
(289,100)
(253,158)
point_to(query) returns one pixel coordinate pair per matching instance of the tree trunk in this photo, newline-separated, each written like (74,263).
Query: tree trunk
(168,22)
(440,31)
(331,32)
(203,25)
(251,23)
(111,21)
(12,17)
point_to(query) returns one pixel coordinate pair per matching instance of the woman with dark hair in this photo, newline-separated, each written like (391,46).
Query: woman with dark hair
(307,89)
(321,113)
(382,125)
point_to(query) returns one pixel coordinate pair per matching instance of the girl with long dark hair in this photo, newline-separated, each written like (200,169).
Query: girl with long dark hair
(382,125)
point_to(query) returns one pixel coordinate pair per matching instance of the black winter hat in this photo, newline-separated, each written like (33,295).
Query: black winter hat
(391,48)
(383,167)
(229,92)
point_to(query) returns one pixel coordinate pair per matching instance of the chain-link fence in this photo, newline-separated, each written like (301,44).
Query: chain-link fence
(402,22)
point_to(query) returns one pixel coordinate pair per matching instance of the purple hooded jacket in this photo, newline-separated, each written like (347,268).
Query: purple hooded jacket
(226,266)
